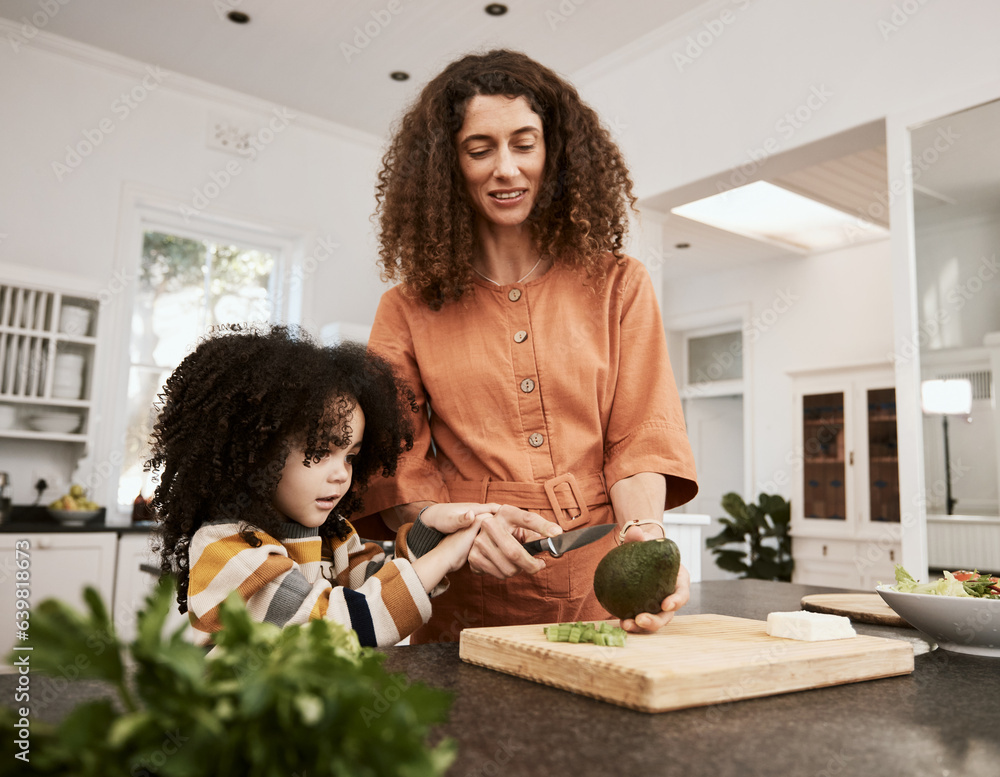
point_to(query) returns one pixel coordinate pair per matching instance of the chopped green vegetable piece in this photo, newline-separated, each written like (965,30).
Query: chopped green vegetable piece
(603,634)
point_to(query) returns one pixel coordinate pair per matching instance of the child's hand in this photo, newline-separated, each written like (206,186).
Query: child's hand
(450,554)
(449,517)
(456,546)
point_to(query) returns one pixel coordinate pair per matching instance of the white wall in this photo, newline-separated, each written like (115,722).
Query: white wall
(758,75)
(744,80)
(832,309)
(756,82)
(958,282)
(311,179)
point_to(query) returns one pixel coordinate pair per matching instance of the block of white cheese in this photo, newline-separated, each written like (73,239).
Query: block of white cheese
(809,626)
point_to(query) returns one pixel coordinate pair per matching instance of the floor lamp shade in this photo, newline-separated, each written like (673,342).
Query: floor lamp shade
(946,397)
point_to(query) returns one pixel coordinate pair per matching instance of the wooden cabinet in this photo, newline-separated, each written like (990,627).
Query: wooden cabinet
(59,566)
(845,508)
(48,340)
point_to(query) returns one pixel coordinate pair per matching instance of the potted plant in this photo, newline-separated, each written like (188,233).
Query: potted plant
(761,532)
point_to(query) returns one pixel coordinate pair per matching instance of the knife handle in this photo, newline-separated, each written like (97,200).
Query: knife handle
(539,546)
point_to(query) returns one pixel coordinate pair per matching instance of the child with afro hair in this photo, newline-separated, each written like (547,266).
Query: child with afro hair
(264,441)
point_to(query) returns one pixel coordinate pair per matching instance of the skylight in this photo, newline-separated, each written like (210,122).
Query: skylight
(769,213)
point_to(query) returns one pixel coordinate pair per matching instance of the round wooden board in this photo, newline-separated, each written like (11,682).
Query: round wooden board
(864,608)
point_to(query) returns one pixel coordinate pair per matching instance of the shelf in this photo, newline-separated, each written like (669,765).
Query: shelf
(48,348)
(46,401)
(824,461)
(28,434)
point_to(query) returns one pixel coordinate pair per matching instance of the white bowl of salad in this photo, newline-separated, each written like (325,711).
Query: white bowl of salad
(960,612)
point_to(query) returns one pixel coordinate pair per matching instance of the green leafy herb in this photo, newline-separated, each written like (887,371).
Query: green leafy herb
(952,584)
(265,702)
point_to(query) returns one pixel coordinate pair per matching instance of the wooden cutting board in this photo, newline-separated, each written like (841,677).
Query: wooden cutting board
(694,661)
(863,608)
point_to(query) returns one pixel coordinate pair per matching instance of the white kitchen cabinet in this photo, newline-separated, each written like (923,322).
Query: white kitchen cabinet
(845,507)
(133,584)
(60,566)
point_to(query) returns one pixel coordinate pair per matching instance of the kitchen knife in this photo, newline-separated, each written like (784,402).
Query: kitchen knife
(568,540)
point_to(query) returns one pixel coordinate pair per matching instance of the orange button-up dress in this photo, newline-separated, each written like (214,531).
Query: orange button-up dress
(542,395)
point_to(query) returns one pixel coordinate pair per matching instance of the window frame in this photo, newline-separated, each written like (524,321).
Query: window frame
(144,212)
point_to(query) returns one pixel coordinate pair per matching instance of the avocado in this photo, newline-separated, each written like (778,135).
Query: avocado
(637,576)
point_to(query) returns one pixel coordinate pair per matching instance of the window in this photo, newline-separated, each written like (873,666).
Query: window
(184,287)
(712,358)
(176,275)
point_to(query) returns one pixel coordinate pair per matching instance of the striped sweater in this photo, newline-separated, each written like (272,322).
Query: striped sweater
(304,577)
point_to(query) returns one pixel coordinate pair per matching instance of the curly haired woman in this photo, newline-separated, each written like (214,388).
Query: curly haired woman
(535,344)
(258,441)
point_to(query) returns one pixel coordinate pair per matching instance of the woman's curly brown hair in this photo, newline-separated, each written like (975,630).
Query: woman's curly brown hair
(426,218)
(228,417)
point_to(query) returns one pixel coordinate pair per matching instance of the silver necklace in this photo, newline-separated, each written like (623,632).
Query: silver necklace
(500,284)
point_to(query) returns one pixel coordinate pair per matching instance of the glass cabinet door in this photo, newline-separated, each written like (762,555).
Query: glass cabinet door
(883,459)
(824,466)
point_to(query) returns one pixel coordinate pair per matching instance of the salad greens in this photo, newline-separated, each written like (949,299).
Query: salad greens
(266,702)
(952,584)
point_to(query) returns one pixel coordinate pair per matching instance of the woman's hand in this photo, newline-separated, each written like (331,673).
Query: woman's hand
(450,553)
(646,622)
(449,517)
(497,550)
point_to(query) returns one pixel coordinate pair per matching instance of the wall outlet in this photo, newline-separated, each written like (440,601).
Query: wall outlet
(55,484)
(225,134)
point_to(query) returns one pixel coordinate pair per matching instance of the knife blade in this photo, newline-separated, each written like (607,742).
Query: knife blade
(568,540)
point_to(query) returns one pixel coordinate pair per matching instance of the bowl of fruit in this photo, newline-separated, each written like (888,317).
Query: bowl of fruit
(74,508)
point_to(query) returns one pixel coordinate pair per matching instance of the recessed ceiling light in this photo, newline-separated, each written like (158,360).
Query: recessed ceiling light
(399,75)
(774,215)
(496,9)
(238,17)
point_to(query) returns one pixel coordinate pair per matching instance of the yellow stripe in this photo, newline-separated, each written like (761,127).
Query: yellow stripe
(215,556)
(305,551)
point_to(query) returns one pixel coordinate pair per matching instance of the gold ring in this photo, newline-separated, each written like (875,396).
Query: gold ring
(621,535)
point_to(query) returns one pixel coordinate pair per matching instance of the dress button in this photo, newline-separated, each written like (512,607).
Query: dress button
(535,440)
(514,295)
(520,337)
(527,385)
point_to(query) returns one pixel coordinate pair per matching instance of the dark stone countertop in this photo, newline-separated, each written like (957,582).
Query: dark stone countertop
(909,726)
(32,519)
(935,721)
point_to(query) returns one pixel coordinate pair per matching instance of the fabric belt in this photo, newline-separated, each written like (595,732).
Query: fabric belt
(566,495)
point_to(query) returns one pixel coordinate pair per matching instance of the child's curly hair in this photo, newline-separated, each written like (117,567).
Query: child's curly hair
(427,222)
(230,412)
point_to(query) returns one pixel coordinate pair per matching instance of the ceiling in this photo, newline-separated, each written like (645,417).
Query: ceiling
(333,60)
